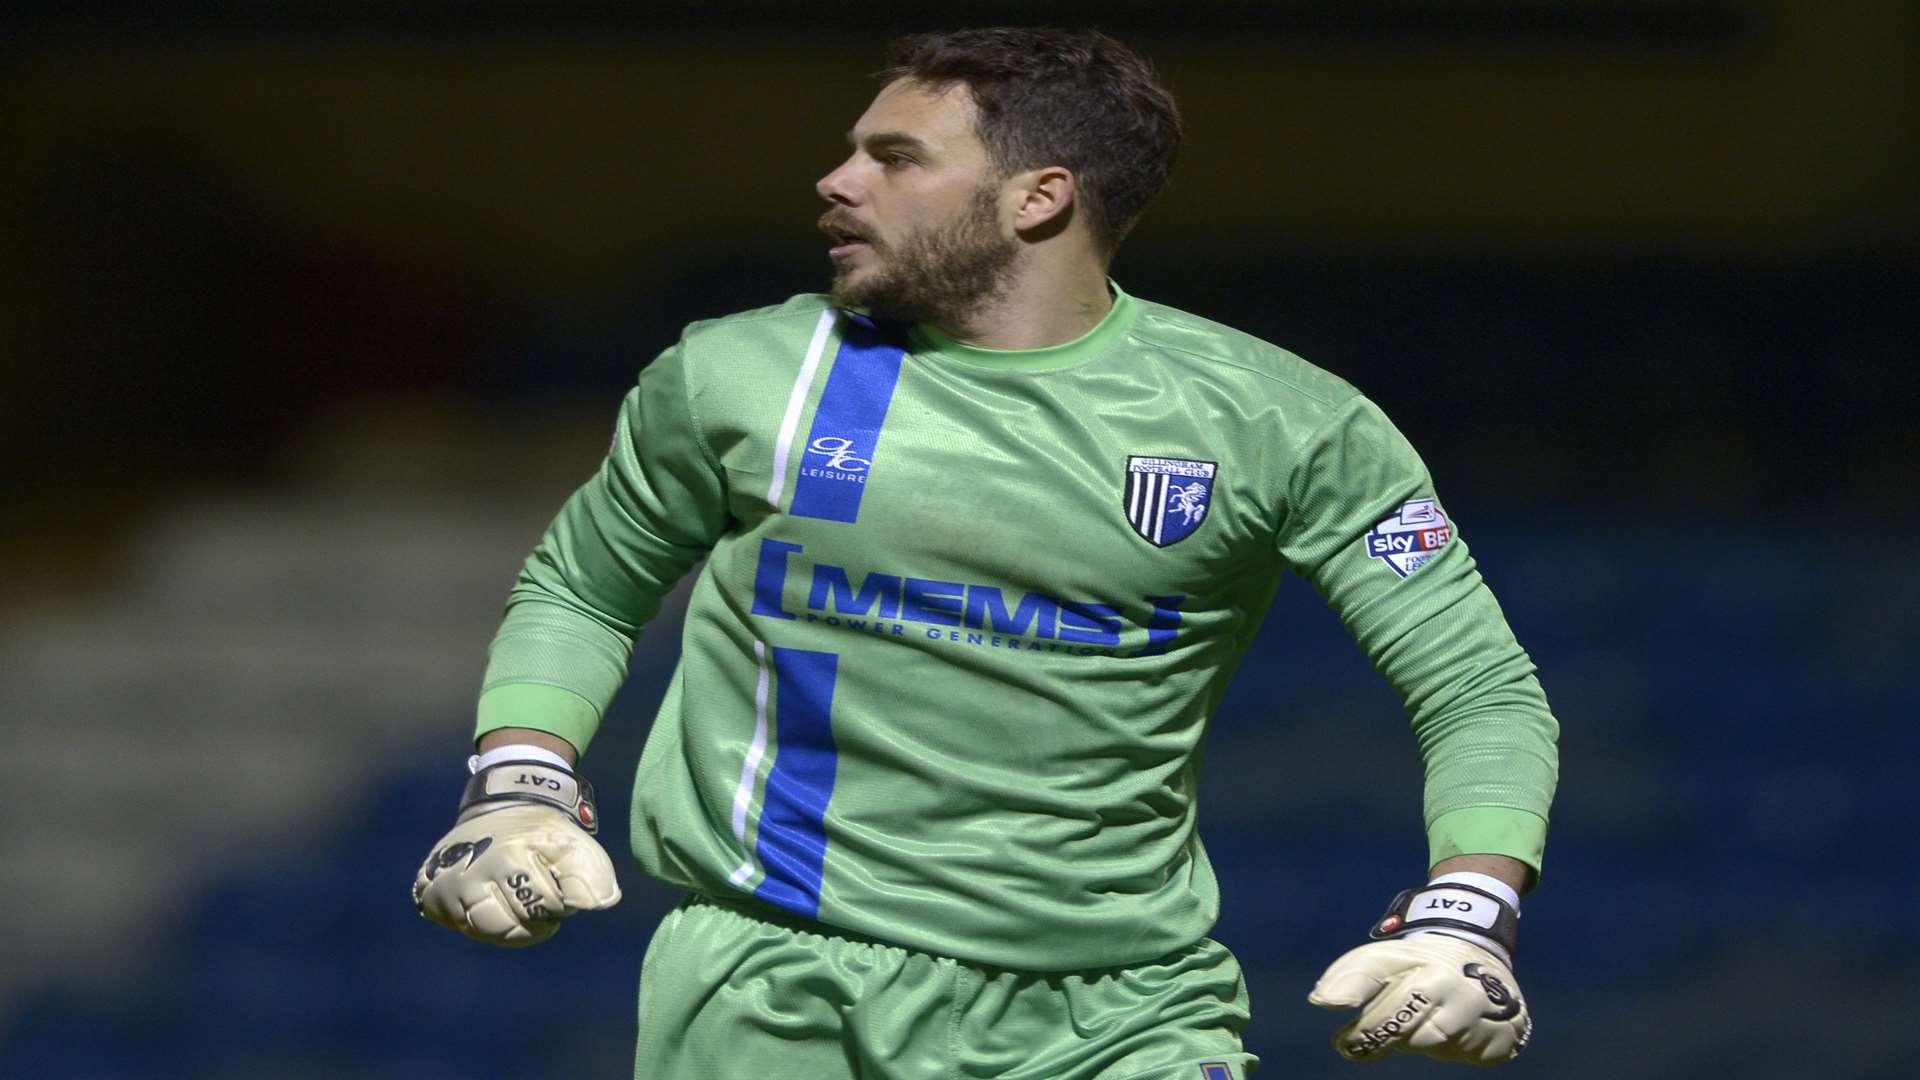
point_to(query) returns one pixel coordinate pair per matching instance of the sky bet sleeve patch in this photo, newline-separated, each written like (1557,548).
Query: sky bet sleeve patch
(1409,536)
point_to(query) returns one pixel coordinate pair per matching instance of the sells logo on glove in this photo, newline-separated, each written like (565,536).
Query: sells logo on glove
(530,901)
(1383,1036)
(1497,992)
(448,856)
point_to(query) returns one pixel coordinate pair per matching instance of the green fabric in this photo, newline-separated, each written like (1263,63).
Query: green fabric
(1012,775)
(1104,337)
(541,707)
(1489,830)
(1437,636)
(728,991)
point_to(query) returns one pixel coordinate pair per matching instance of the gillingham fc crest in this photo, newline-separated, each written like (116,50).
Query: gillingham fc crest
(1166,499)
(1409,536)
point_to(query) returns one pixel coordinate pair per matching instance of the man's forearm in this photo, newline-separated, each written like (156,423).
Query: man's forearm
(1512,871)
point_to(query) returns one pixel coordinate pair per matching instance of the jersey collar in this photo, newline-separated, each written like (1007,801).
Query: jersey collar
(1106,334)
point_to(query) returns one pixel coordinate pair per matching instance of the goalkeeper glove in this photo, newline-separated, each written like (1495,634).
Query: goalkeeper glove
(520,857)
(1437,980)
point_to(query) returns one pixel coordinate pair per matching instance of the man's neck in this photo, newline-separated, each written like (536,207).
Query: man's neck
(1039,310)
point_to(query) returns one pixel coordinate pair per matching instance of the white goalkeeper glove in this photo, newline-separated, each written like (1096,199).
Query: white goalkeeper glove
(1437,980)
(520,858)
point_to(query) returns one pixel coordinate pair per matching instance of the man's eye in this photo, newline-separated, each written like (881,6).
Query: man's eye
(894,161)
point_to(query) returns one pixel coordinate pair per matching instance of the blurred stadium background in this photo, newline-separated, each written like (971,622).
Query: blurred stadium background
(315,311)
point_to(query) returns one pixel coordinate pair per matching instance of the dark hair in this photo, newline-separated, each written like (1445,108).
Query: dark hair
(1075,98)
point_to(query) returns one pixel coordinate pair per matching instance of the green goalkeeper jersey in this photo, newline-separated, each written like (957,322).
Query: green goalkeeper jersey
(966,614)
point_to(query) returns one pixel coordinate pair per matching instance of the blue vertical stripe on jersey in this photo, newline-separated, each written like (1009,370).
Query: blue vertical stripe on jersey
(1164,624)
(793,839)
(770,578)
(842,443)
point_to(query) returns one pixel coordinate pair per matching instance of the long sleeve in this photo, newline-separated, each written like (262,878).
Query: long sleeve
(1364,528)
(656,505)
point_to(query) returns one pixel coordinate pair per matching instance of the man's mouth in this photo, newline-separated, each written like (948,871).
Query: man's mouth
(846,239)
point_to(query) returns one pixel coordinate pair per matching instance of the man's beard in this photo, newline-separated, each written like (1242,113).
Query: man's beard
(937,274)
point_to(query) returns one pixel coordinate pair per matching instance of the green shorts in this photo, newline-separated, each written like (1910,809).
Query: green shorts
(729,991)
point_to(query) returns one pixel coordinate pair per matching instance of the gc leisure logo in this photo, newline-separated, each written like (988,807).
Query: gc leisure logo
(841,460)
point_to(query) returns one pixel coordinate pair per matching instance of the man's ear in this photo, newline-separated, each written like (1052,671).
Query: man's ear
(1046,194)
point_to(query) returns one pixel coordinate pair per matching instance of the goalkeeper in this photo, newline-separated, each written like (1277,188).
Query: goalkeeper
(985,537)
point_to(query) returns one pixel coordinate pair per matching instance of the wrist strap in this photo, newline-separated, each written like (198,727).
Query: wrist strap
(1450,906)
(531,782)
(516,752)
(1480,881)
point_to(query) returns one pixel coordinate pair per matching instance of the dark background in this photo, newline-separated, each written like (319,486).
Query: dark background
(315,311)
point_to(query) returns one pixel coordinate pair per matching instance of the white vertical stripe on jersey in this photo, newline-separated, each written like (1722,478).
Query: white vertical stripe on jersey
(1159,507)
(1133,506)
(790,423)
(750,770)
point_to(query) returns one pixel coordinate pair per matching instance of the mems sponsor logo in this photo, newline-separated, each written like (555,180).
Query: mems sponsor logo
(963,613)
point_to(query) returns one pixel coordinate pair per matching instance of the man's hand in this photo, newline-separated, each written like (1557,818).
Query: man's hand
(1437,978)
(520,859)
(1432,994)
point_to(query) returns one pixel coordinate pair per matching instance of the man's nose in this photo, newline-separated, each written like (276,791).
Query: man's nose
(837,186)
